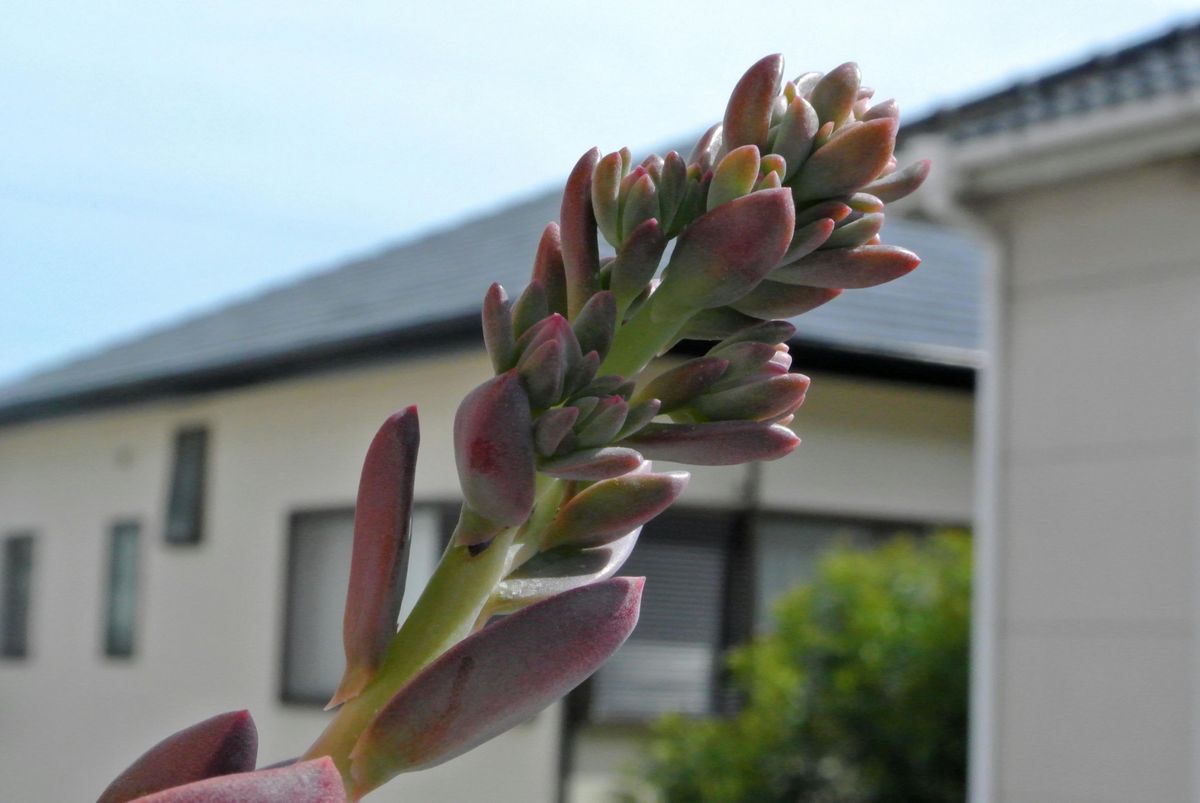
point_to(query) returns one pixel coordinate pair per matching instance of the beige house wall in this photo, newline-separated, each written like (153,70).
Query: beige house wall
(210,616)
(1096,487)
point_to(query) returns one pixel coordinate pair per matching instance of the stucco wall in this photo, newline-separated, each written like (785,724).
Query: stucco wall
(210,616)
(1096,488)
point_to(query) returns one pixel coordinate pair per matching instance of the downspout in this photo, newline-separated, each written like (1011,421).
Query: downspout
(940,199)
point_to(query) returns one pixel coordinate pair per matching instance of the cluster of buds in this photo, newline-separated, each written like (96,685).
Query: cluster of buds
(776,211)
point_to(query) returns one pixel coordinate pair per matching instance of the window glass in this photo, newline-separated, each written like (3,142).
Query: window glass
(122,590)
(15,596)
(318,573)
(185,508)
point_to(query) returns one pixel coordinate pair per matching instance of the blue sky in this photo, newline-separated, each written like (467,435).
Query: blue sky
(160,159)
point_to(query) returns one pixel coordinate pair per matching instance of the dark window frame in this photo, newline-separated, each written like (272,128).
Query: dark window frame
(447,517)
(17,580)
(187,495)
(110,644)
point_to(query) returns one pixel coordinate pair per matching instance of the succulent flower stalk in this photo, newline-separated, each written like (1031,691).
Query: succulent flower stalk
(777,209)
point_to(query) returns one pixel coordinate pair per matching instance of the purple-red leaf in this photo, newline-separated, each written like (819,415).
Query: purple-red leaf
(773,299)
(637,262)
(852,234)
(220,745)
(756,401)
(379,560)
(314,781)
(721,443)
(727,251)
(496,678)
(499,336)
(493,449)
(607,510)
(849,161)
(557,570)
(580,248)
(716,323)
(834,95)
(704,154)
(895,186)
(589,465)
(748,114)
(864,266)
(548,269)
(676,386)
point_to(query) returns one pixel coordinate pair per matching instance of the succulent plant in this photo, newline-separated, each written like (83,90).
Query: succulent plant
(777,209)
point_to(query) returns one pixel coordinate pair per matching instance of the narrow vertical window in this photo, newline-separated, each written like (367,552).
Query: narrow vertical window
(120,624)
(319,546)
(185,509)
(15,596)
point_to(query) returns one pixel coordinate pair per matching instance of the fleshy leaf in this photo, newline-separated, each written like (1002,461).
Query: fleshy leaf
(773,299)
(735,176)
(498,335)
(895,186)
(716,323)
(580,248)
(220,745)
(720,443)
(834,95)
(757,401)
(496,678)
(607,510)
(748,114)
(606,181)
(704,154)
(865,266)
(315,781)
(855,232)
(552,426)
(848,161)
(590,465)
(794,137)
(548,269)
(596,323)
(677,386)
(561,569)
(637,262)
(493,449)
(727,251)
(379,559)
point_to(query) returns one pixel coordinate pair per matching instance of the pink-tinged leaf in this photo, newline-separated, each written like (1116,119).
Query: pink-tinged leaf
(854,233)
(834,210)
(770,332)
(773,299)
(735,176)
(590,465)
(721,443)
(580,248)
(727,251)
(603,425)
(848,162)
(677,386)
(315,781)
(554,327)
(548,269)
(596,323)
(794,137)
(865,203)
(865,266)
(671,188)
(834,95)
(220,745)
(887,108)
(716,323)
(757,401)
(551,427)
(637,262)
(605,511)
(640,415)
(498,334)
(496,678)
(543,372)
(606,182)
(808,239)
(379,559)
(895,186)
(639,204)
(804,82)
(532,307)
(748,114)
(493,449)
(562,569)
(704,154)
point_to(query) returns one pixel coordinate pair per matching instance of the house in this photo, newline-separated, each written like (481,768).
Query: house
(175,509)
(1085,182)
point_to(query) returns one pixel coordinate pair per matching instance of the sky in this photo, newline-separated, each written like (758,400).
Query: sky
(160,159)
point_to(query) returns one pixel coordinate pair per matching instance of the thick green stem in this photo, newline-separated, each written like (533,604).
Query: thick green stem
(640,340)
(444,615)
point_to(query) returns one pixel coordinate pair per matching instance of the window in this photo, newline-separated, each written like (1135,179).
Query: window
(120,602)
(319,545)
(185,507)
(671,662)
(15,596)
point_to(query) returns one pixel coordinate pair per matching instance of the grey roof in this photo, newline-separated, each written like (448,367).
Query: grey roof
(1169,63)
(929,316)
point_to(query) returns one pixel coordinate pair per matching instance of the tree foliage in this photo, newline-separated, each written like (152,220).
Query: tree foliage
(859,693)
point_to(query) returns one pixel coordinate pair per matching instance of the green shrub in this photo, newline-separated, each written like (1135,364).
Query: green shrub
(859,694)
